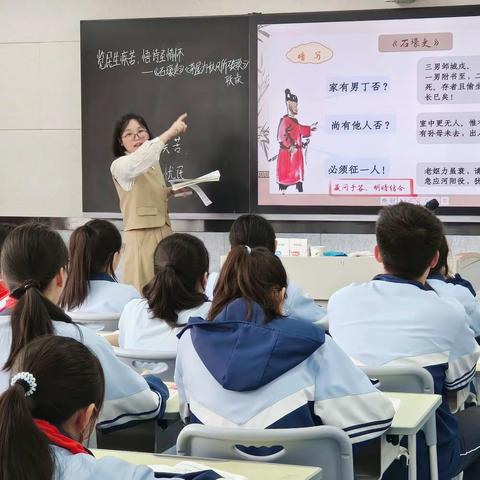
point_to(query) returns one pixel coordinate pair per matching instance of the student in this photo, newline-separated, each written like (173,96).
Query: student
(175,294)
(92,286)
(256,231)
(48,412)
(34,261)
(249,366)
(397,319)
(5,300)
(456,287)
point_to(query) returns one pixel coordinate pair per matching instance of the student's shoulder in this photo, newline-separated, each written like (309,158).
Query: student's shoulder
(83,334)
(84,466)
(351,290)
(134,308)
(460,292)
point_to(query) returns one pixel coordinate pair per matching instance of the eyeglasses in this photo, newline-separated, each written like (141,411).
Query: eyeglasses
(141,132)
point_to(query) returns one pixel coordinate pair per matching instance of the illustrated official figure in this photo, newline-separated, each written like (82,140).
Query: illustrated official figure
(293,138)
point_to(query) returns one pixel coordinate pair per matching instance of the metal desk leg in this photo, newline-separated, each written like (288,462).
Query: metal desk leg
(412,455)
(432,450)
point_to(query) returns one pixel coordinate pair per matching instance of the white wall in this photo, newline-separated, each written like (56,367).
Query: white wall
(40,137)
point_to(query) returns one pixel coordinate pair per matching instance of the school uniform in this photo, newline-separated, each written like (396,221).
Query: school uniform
(391,321)
(129,397)
(73,460)
(106,295)
(141,331)
(462,294)
(296,304)
(234,372)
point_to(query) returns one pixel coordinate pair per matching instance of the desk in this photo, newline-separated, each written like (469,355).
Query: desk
(173,404)
(251,470)
(414,412)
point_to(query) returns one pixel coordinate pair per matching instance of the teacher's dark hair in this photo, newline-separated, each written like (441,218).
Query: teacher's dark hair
(180,263)
(92,250)
(120,126)
(32,255)
(69,377)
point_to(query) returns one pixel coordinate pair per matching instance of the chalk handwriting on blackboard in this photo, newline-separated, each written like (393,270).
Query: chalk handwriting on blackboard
(174,173)
(169,62)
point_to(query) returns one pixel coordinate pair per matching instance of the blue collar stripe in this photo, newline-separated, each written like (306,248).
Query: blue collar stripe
(102,276)
(386,277)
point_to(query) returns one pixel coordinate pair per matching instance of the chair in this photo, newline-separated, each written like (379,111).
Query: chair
(326,447)
(161,364)
(410,379)
(97,321)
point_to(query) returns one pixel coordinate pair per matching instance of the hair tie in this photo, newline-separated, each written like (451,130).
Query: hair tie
(27,381)
(20,291)
(31,284)
(249,250)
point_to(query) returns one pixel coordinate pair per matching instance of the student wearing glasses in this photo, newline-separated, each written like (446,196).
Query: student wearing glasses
(142,192)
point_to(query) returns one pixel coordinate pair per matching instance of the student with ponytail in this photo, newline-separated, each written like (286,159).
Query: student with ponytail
(256,231)
(456,287)
(248,365)
(92,286)
(47,412)
(34,264)
(175,294)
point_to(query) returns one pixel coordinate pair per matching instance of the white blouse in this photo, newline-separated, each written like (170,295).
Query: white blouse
(106,297)
(125,169)
(140,331)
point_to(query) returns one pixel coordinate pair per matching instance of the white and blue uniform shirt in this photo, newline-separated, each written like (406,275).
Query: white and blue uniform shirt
(129,399)
(296,305)
(82,466)
(139,330)
(463,294)
(391,321)
(234,372)
(106,295)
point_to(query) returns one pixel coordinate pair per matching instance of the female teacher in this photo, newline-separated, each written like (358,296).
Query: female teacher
(142,192)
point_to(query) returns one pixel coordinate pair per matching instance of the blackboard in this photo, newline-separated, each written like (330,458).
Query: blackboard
(160,68)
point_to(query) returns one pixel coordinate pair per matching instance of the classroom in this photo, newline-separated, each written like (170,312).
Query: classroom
(240,239)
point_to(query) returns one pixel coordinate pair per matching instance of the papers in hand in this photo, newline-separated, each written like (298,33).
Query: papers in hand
(193,184)
(209,177)
(190,467)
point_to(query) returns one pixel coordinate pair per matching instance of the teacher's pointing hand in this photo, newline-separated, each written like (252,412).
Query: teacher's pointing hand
(178,127)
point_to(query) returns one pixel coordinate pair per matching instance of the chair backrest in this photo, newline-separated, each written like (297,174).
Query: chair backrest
(97,321)
(326,447)
(407,379)
(158,363)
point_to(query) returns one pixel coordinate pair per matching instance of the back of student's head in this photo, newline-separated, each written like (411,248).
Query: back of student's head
(32,256)
(92,250)
(68,378)
(408,237)
(180,264)
(442,265)
(254,274)
(254,231)
(5,229)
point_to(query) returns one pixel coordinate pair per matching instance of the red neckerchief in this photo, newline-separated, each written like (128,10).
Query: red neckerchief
(3,290)
(57,438)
